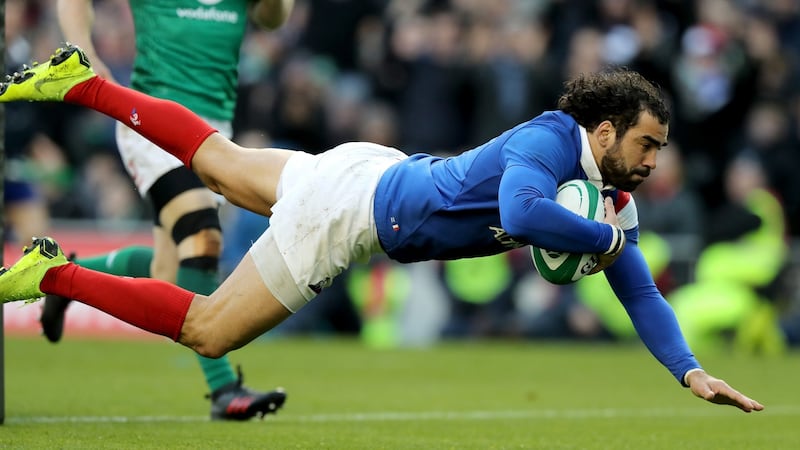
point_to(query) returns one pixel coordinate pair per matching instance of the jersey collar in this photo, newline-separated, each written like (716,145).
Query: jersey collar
(588,163)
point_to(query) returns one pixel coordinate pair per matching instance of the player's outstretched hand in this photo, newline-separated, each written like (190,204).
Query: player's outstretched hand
(717,391)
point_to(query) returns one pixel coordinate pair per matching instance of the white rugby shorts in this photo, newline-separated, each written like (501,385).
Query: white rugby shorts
(146,162)
(323,220)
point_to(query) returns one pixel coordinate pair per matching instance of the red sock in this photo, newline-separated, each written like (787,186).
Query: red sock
(167,124)
(152,305)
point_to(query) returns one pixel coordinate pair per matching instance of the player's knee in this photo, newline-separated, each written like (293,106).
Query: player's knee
(211,350)
(206,339)
(213,346)
(198,234)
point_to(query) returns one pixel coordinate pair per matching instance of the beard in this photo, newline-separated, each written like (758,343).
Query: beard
(615,173)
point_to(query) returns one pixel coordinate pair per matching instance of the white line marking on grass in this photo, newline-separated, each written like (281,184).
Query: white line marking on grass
(106,419)
(388,416)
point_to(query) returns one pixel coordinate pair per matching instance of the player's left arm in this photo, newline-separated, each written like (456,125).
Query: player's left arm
(658,328)
(271,14)
(654,319)
(651,315)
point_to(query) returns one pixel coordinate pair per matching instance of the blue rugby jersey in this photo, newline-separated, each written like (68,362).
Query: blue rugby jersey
(500,196)
(490,199)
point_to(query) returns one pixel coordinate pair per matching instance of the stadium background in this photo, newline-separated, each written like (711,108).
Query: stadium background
(441,77)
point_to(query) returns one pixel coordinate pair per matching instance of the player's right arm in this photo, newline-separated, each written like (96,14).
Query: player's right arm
(536,160)
(76,19)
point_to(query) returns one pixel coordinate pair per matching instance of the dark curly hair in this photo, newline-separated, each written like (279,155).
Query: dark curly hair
(616,94)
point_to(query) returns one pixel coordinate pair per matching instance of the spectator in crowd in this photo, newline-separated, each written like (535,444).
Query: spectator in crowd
(714,85)
(672,210)
(744,255)
(767,135)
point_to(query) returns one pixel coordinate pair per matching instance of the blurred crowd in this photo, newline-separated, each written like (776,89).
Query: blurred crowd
(441,76)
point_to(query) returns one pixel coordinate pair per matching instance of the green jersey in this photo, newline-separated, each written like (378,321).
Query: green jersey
(188,51)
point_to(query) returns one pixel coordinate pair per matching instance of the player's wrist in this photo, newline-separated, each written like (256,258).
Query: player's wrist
(617,241)
(688,373)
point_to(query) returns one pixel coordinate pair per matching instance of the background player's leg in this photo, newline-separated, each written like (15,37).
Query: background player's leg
(240,310)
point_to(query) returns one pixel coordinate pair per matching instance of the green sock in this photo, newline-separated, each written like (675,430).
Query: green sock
(218,372)
(131,261)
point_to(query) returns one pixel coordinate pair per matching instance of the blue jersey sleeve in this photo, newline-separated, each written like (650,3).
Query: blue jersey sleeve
(528,211)
(652,316)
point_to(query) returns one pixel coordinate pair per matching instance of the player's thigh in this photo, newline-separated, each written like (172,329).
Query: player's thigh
(246,177)
(240,310)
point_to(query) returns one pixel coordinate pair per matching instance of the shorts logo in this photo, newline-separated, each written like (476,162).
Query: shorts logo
(318,287)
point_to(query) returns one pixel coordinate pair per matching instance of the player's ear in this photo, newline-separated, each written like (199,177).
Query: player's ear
(606,134)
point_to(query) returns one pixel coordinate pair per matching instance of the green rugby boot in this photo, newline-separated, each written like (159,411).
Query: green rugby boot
(21,281)
(50,81)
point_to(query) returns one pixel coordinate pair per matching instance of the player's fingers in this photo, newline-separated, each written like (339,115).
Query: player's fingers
(749,405)
(611,214)
(745,403)
(730,396)
(756,406)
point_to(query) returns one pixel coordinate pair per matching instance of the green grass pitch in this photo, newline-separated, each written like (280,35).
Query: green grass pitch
(84,394)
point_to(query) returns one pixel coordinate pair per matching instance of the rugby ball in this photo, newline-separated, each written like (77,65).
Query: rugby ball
(582,198)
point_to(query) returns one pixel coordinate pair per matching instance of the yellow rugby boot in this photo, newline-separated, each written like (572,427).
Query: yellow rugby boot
(49,81)
(21,281)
